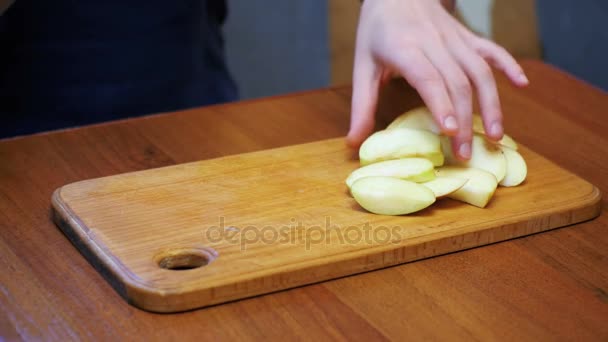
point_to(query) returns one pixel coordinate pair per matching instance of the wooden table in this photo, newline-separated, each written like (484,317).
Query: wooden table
(550,286)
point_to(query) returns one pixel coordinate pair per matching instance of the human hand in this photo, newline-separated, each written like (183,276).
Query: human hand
(439,57)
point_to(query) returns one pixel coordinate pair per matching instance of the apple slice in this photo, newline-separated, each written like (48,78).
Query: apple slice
(417,118)
(485,155)
(422,118)
(413,169)
(391,196)
(401,143)
(517,170)
(506,139)
(479,188)
(443,186)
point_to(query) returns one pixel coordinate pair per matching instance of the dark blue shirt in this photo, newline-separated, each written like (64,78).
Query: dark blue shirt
(66,63)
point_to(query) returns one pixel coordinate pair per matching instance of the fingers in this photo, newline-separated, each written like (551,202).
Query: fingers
(366,83)
(421,74)
(387,75)
(439,57)
(501,60)
(460,91)
(489,102)
(482,77)
(461,147)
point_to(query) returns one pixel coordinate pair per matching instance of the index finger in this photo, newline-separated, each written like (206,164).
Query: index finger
(415,67)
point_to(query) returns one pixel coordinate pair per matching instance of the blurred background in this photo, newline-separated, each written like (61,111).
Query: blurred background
(276,47)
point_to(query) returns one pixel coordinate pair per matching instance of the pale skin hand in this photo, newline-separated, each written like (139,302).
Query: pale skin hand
(439,57)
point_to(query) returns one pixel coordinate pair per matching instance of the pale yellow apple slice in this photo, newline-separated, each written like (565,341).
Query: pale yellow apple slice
(506,139)
(401,143)
(443,186)
(484,155)
(508,142)
(479,188)
(517,170)
(391,196)
(417,118)
(422,118)
(413,169)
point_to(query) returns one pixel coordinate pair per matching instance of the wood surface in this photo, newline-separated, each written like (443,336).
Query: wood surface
(549,286)
(191,235)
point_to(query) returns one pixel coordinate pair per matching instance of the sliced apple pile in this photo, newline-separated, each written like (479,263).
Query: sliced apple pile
(485,155)
(417,118)
(400,143)
(402,167)
(413,169)
(391,196)
(442,186)
(517,170)
(479,129)
(422,118)
(479,188)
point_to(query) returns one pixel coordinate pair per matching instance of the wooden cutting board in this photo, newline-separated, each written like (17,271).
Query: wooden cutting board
(202,233)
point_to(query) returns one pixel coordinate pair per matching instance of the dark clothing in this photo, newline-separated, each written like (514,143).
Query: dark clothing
(66,63)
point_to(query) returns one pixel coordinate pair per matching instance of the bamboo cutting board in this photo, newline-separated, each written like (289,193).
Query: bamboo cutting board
(191,235)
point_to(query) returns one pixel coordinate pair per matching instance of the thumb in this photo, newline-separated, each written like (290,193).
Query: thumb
(366,84)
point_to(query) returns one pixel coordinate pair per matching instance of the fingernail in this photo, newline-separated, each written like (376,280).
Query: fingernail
(450,123)
(496,129)
(465,150)
(523,79)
